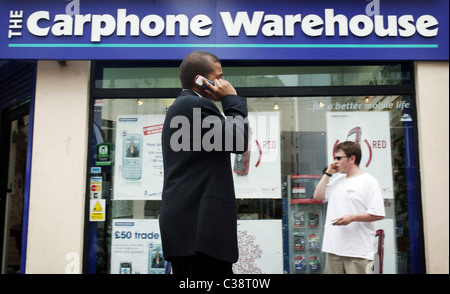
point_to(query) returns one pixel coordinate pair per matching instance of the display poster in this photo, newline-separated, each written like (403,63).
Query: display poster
(138,171)
(257,172)
(136,247)
(260,247)
(372,131)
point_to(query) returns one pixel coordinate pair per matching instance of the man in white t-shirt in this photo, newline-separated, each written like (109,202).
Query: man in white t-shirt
(354,203)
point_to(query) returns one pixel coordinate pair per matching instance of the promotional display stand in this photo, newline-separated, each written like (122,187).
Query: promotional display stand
(306,218)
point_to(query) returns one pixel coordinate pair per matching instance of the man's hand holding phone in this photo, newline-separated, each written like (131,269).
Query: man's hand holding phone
(216,90)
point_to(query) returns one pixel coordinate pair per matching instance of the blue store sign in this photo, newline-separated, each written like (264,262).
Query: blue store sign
(232,29)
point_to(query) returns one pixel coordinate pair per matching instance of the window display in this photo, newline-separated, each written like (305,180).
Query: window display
(290,145)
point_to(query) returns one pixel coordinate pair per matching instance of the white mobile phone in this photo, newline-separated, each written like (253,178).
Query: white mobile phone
(331,223)
(199,81)
(132,157)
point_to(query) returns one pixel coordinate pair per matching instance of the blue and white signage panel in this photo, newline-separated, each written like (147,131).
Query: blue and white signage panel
(232,29)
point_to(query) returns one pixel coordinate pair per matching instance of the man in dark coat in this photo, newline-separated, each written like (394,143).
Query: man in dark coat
(198,215)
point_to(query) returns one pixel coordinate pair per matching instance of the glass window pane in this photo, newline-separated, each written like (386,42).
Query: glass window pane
(141,77)
(275,76)
(308,128)
(302,76)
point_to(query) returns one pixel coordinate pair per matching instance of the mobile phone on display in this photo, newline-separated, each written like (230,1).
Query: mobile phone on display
(132,157)
(125,268)
(354,135)
(199,81)
(242,161)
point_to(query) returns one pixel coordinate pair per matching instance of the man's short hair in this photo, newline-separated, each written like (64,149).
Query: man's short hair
(196,63)
(350,148)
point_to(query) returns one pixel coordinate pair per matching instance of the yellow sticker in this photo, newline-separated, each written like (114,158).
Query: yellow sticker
(98,207)
(97,210)
(97,216)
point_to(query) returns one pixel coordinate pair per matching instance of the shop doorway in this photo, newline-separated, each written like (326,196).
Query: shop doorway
(14,128)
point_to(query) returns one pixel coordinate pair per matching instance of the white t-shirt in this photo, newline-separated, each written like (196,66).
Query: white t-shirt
(349,196)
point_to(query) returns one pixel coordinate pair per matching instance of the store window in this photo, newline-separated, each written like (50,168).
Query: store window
(280,226)
(256,76)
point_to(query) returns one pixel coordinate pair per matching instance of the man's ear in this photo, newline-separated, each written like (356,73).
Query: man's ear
(195,80)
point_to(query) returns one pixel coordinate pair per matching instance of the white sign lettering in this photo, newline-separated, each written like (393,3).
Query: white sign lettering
(43,24)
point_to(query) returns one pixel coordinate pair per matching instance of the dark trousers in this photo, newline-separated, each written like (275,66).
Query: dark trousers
(200,264)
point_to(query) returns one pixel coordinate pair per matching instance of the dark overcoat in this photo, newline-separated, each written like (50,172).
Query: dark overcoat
(198,212)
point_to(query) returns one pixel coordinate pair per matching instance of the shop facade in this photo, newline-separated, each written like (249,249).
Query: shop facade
(102,77)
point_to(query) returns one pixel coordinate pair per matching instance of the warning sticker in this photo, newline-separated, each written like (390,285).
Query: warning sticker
(98,207)
(97,210)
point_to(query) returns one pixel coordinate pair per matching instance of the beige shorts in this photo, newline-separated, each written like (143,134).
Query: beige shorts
(336,264)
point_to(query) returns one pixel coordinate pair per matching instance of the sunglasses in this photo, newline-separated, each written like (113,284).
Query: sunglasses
(339,157)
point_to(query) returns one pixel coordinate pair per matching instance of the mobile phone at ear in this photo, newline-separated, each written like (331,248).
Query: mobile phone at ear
(199,81)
